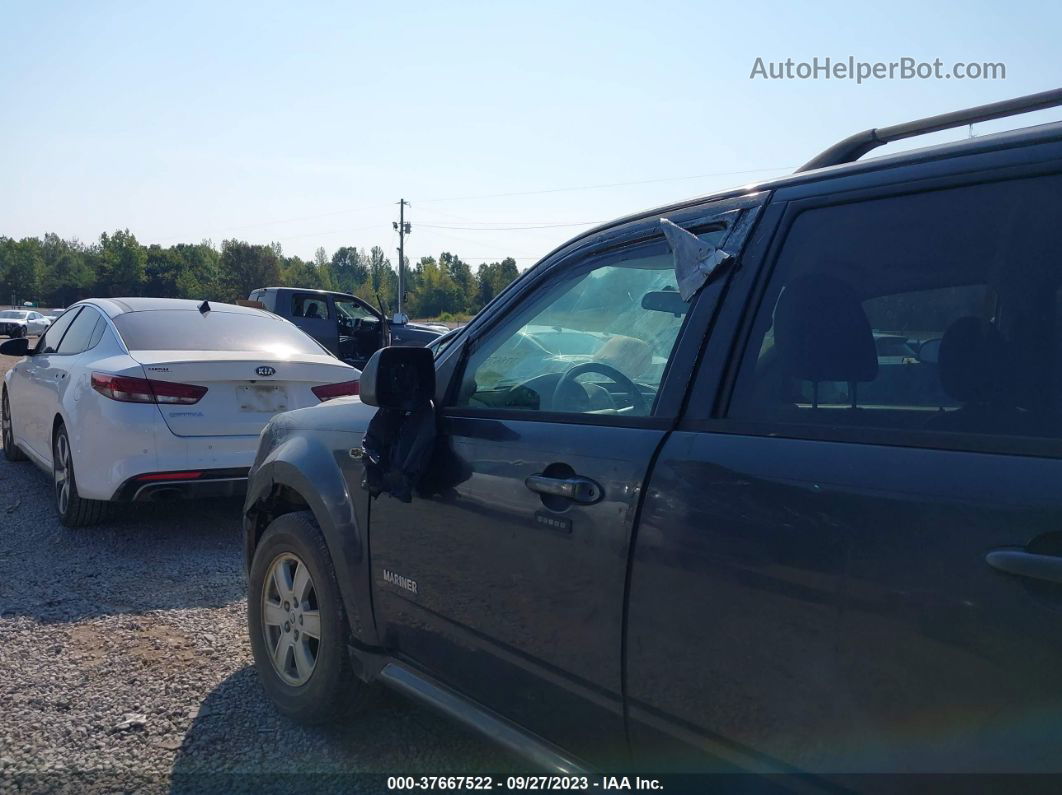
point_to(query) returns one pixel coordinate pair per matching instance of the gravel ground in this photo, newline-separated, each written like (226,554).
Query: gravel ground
(124,666)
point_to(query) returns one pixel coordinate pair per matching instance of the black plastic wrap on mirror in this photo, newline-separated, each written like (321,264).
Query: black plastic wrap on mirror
(397,448)
(400,378)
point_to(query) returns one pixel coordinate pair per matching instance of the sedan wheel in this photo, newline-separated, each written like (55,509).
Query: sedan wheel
(11,451)
(74,510)
(61,473)
(291,619)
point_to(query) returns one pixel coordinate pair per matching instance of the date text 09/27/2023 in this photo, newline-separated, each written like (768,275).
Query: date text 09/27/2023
(525,783)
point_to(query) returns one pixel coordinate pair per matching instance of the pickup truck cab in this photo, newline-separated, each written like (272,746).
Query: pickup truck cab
(807,521)
(349,327)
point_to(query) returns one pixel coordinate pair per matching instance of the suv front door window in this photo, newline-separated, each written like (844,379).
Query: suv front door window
(593,343)
(519,590)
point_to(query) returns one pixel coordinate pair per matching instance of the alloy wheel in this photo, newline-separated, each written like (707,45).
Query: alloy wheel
(5,421)
(291,619)
(62,469)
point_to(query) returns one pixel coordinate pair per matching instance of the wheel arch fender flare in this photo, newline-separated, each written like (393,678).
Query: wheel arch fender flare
(307,468)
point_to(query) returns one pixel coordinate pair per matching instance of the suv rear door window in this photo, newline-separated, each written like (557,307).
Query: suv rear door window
(930,312)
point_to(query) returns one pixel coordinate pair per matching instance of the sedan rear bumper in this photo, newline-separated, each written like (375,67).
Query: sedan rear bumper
(116,443)
(184,484)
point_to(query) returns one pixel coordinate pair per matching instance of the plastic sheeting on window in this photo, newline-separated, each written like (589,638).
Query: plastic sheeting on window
(695,260)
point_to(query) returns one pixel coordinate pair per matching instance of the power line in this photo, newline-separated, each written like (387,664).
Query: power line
(508,228)
(607,185)
(287,221)
(476,243)
(603,186)
(327,232)
(479,228)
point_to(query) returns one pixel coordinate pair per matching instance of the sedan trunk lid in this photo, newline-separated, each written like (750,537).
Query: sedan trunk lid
(244,389)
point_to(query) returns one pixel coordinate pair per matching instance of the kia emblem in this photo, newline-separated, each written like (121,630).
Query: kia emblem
(264,370)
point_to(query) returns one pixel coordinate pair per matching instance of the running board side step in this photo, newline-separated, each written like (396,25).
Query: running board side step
(438,696)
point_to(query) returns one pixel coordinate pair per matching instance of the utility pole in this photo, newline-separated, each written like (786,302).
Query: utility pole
(403,228)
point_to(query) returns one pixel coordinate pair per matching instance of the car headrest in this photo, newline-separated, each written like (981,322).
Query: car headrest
(629,355)
(821,332)
(971,360)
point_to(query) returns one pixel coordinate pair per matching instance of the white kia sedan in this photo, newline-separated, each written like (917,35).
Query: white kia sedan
(128,399)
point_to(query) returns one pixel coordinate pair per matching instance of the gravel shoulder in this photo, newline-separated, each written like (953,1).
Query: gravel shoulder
(124,665)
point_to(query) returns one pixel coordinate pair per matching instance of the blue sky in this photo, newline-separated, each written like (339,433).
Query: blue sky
(304,123)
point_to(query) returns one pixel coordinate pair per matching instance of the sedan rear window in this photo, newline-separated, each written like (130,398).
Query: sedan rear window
(184,330)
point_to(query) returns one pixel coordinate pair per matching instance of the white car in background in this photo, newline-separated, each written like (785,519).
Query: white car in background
(23,322)
(128,399)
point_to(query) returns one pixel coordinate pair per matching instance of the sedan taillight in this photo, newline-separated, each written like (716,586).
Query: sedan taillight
(144,390)
(328,391)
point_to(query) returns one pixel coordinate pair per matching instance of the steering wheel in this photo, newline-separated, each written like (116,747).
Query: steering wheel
(567,381)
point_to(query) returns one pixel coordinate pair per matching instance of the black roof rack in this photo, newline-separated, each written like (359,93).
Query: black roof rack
(855,146)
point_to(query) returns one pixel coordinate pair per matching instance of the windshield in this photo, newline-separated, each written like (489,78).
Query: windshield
(13,314)
(175,329)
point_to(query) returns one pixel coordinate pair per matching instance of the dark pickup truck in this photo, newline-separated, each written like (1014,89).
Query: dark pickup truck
(768,481)
(349,327)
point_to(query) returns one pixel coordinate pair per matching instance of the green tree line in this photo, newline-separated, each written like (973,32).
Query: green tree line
(53,272)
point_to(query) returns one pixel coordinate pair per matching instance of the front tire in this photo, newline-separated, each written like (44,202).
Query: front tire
(298,628)
(11,451)
(74,510)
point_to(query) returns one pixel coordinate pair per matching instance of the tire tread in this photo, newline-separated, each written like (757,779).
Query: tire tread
(14,452)
(81,512)
(347,694)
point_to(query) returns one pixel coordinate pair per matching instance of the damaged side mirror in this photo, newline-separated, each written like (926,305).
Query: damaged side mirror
(400,378)
(400,440)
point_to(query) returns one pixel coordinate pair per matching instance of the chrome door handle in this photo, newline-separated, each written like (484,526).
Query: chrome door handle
(574,488)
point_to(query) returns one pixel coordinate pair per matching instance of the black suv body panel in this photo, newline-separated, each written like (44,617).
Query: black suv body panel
(750,594)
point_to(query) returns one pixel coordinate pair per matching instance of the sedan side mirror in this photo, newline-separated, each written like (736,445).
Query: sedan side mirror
(400,378)
(16,347)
